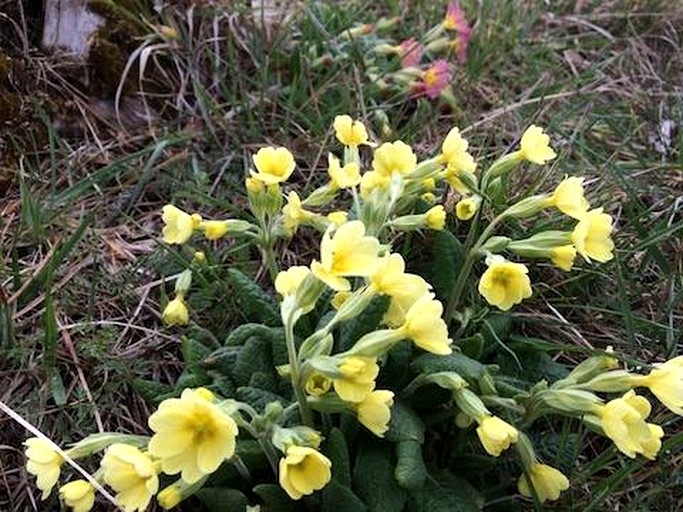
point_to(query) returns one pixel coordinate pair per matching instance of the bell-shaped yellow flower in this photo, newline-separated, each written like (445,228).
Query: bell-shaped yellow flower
(394,157)
(346,253)
(547,481)
(288,281)
(569,199)
(563,257)
(132,474)
(375,411)
(357,379)
(425,326)
(273,165)
(294,213)
(214,229)
(79,495)
(317,384)
(303,471)
(178,225)
(338,218)
(175,312)
(192,435)
(496,435)
(666,383)
(349,132)
(454,153)
(435,218)
(343,177)
(372,181)
(505,283)
(467,207)
(592,236)
(623,421)
(535,146)
(44,463)
(340,298)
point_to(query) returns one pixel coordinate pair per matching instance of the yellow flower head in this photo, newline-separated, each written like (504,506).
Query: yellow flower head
(467,207)
(496,435)
(192,436)
(169,497)
(178,225)
(274,165)
(563,257)
(666,383)
(435,218)
(214,229)
(454,153)
(425,326)
(535,146)
(343,177)
(288,281)
(623,421)
(371,181)
(176,313)
(44,463)
(131,474)
(338,218)
(375,411)
(346,253)
(304,470)
(79,495)
(357,379)
(505,283)
(394,157)
(317,384)
(428,184)
(255,186)
(294,213)
(340,298)
(592,236)
(547,481)
(569,199)
(349,132)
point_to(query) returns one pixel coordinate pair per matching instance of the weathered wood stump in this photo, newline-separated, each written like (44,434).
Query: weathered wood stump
(68,24)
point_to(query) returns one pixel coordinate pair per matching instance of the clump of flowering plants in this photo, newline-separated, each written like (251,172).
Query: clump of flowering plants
(337,397)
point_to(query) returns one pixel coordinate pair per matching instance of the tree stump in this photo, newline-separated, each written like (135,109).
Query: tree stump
(68,24)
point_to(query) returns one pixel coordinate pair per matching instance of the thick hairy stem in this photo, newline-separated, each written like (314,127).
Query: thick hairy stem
(304,411)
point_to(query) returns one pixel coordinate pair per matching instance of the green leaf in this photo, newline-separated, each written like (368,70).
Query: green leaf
(374,481)
(500,324)
(220,499)
(366,322)
(256,304)
(338,452)
(339,498)
(405,424)
(151,390)
(535,365)
(410,472)
(254,357)
(445,492)
(468,368)
(444,266)
(258,398)
(275,498)
(57,387)
(245,331)
(194,354)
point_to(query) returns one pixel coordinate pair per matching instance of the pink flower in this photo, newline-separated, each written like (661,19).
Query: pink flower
(455,19)
(411,53)
(459,45)
(434,79)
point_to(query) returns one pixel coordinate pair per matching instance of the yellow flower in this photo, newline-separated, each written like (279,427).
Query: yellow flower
(666,383)
(178,225)
(340,298)
(505,283)
(435,218)
(214,229)
(496,435)
(350,132)
(317,384)
(169,497)
(563,257)
(192,436)
(79,495)
(373,180)
(592,236)
(338,218)
(535,146)
(44,463)
(288,281)
(467,207)
(428,184)
(131,474)
(274,165)
(304,470)
(454,153)
(175,312)
(348,253)
(547,481)
(255,186)
(568,198)
(394,157)
(294,213)
(375,411)
(357,379)
(343,177)
(623,421)
(425,326)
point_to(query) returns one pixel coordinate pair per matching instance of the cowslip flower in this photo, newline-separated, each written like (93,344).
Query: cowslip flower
(214,229)
(434,79)
(338,218)
(192,435)
(175,312)
(435,218)
(304,470)
(178,225)
(343,177)
(496,435)
(563,257)
(357,379)
(467,207)
(79,495)
(592,236)
(273,165)
(535,146)
(293,213)
(349,132)
(411,53)
(569,199)
(454,152)
(505,283)
(666,383)
(375,411)
(169,497)
(317,384)
(288,281)
(425,326)
(393,157)
(623,421)
(346,253)
(547,481)
(371,181)
(44,463)
(132,474)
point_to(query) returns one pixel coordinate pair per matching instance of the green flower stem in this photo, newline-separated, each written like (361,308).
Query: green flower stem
(270,452)
(304,411)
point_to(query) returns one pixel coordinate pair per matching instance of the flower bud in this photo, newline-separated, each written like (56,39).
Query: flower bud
(376,343)
(502,166)
(611,382)
(572,401)
(470,404)
(184,281)
(527,207)
(496,244)
(171,496)
(295,436)
(587,370)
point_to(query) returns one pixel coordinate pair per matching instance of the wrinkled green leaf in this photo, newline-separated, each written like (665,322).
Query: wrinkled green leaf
(339,498)
(374,481)
(337,451)
(410,472)
(275,498)
(445,492)
(368,321)
(405,424)
(220,499)
(255,304)
(468,368)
